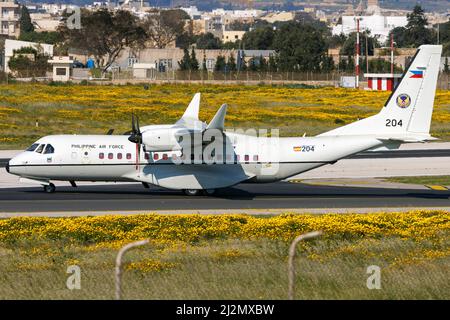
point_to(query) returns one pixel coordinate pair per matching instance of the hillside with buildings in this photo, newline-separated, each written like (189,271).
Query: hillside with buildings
(194,44)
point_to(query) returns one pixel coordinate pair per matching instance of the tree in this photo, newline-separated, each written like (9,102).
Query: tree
(50,37)
(272,65)
(336,41)
(163,27)
(380,65)
(327,64)
(208,41)
(253,64)
(400,37)
(446,66)
(259,39)
(104,35)
(220,63)
(263,65)
(185,62)
(231,64)
(299,47)
(416,32)
(350,64)
(204,61)
(25,21)
(342,64)
(444,37)
(29,62)
(194,61)
(189,62)
(349,46)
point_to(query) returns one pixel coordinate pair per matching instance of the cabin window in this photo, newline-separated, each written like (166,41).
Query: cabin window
(165,156)
(146,156)
(119,156)
(101,155)
(49,149)
(128,156)
(155,156)
(255,158)
(110,156)
(40,148)
(247,157)
(33,147)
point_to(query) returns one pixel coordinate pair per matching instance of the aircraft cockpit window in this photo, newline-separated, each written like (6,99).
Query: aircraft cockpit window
(40,148)
(33,147)
(49,149)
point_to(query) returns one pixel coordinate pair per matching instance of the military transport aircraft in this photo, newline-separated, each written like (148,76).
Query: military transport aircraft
(196,157)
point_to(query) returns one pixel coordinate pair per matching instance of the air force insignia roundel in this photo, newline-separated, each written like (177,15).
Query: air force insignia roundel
(403,100)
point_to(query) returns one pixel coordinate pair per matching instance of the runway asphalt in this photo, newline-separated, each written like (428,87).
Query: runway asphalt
(133,197)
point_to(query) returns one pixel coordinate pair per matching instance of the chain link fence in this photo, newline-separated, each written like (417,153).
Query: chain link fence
(247,77)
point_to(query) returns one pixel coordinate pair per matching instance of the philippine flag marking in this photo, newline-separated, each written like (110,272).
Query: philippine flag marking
(417,74)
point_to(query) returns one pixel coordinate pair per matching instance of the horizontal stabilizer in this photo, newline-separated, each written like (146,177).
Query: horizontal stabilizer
(408,138)
(218,122)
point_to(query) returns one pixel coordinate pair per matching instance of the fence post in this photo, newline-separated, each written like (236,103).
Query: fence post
(291,269)
(118,270)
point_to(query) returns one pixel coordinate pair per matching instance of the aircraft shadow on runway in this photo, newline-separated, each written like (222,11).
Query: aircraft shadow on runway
(245,192)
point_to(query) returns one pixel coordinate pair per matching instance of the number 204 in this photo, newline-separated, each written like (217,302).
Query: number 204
(394,123)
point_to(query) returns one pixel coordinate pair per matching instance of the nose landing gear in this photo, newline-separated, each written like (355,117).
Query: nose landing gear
(49,188)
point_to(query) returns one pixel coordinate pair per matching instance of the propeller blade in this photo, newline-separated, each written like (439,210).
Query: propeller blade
(133,128)
(138,129)
(136,135)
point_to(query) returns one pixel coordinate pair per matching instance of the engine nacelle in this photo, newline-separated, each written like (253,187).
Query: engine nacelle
(170,139)
(160,140)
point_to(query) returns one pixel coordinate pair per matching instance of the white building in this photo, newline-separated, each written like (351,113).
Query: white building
(377,25)
(61,68)
(192,11)
(11,45)
(55,8)
(9,18)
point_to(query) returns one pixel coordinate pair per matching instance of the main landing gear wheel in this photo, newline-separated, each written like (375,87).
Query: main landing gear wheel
(192,192)
(50,188)
(210,192)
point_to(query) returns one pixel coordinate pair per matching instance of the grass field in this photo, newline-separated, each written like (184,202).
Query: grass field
(228,256)
(425,180)
(86,109)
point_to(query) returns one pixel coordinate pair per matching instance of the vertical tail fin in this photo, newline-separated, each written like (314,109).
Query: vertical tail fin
(190,116)
(408,110)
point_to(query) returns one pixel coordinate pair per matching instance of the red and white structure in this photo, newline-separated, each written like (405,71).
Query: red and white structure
(382,81)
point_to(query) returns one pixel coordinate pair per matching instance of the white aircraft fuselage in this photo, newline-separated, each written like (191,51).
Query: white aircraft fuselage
(113,158)
(158,155)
